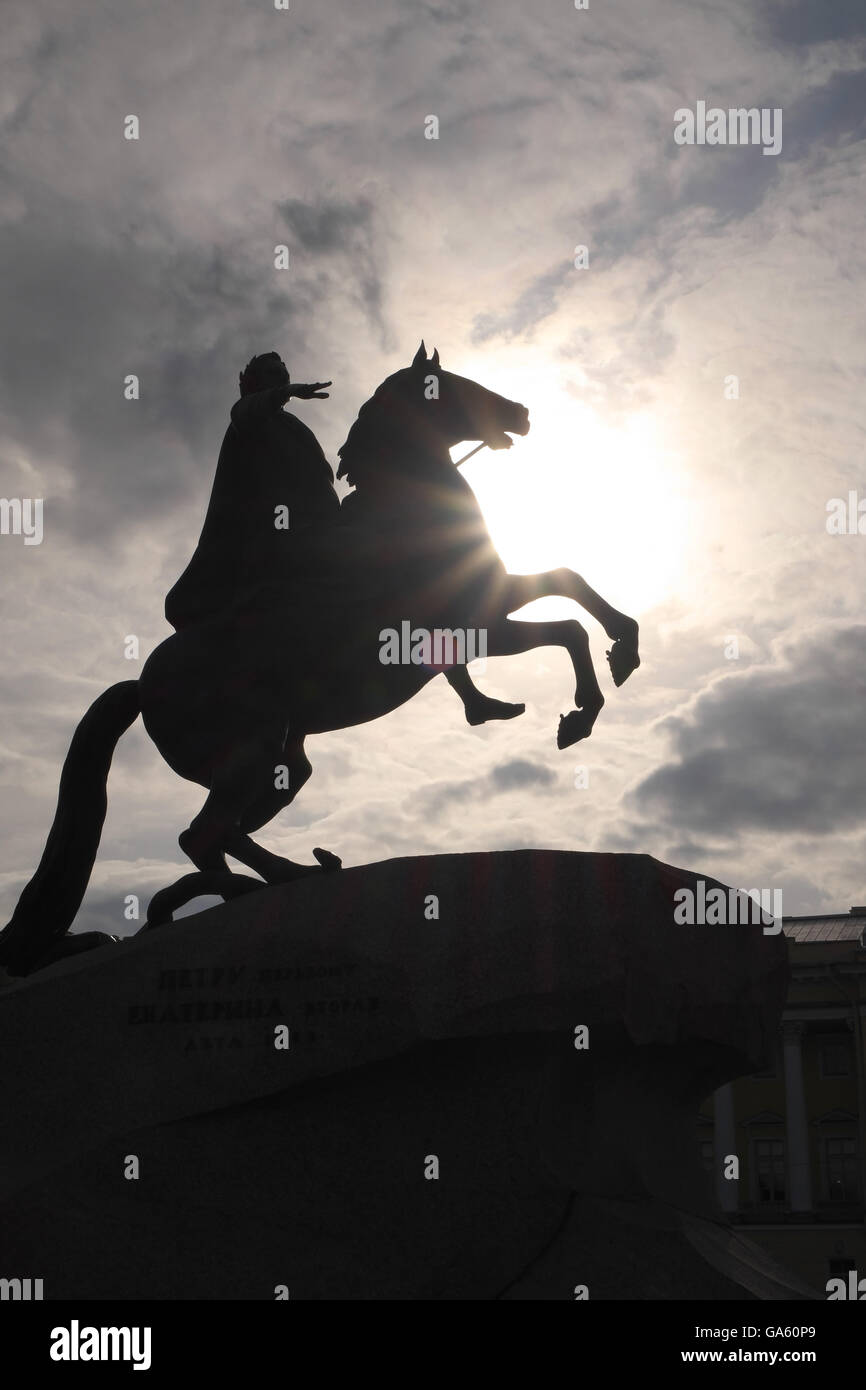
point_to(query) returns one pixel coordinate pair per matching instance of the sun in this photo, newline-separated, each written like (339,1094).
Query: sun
(603,499)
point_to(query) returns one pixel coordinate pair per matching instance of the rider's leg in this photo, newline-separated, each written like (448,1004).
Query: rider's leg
(477,706)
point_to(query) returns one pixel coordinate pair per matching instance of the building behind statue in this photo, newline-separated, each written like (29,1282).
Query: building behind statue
(798,1126)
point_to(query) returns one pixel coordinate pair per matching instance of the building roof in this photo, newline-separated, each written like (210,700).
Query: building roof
(847,926)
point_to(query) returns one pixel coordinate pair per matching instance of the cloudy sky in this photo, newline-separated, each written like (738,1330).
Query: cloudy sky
(695,501)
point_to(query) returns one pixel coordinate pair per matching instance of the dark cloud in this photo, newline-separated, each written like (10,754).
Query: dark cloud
(777,748)
(834,113)
(327,227)
(182,319)
(517,774)
(690,852)
(732,180)
(532,306)
(802,22)
(520,773)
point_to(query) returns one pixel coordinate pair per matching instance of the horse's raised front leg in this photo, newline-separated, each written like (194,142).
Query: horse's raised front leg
(509,638)
(623,656)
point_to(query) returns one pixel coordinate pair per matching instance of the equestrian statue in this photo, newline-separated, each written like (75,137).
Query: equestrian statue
(278,624)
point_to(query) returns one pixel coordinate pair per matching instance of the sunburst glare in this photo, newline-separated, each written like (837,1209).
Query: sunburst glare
(604,499)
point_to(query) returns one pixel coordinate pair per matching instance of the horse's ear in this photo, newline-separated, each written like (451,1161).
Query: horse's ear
(420,358)
(434,360)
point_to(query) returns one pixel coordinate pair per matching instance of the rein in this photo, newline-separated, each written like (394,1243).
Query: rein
(482,445)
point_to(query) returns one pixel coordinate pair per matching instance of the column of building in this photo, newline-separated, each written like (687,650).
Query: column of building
(796,1122)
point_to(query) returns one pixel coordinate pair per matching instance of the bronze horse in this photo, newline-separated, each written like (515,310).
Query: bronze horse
(229,702)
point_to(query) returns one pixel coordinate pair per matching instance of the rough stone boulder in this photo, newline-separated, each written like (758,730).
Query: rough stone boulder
(431,1130)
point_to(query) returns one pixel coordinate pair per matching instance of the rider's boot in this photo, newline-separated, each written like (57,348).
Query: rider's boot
(477,706)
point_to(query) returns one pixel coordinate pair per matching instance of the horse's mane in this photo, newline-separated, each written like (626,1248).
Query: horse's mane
(377,442)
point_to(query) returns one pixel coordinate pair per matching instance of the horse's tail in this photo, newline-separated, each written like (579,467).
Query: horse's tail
(47,906)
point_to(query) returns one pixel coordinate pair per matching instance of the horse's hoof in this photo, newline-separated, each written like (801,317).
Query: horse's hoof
(329,862)
(574,726)
(622,659)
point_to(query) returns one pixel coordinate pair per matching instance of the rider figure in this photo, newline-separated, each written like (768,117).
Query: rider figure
(270,461)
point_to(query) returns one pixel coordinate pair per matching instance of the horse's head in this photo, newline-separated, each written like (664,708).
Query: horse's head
(460,409)
(419,413)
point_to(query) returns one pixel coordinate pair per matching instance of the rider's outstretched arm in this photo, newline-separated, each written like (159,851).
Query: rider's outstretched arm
(252,410)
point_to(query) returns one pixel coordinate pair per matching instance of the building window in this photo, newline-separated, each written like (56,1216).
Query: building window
(835,1058)
(841,1168)
(769,1156)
